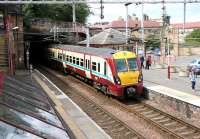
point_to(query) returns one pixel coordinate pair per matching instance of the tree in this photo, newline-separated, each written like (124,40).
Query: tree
(152,42)
(193,38)
(55,12)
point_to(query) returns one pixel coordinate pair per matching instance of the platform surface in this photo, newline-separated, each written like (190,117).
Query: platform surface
(175,87)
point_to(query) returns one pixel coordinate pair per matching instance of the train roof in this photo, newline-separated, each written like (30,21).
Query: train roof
(106,52)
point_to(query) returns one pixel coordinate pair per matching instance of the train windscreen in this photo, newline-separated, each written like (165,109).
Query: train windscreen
(132,64)
(121,65)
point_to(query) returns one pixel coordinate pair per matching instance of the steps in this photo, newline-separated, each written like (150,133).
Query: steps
(3,54)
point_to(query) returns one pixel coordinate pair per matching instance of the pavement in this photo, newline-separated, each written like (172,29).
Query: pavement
(159,77)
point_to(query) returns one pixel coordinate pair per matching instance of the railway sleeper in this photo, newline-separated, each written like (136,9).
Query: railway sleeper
(143,110)
(187,133)
(180,129)
(162,121)
(138,107)
(158,118)
(170,124)
(148,112)
(196,135)
(153,115)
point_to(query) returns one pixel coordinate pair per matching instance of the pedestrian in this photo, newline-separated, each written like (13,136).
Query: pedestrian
(142,61)
(148,62)
(193,79)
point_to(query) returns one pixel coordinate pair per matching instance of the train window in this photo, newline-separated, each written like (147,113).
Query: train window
(74,60)
(94,66)
(105,68)
(121,65)
(67,58)
(77,61)
(132,64)
(64,56)
(98,67)
(70,59)
(88,64)
(81,63)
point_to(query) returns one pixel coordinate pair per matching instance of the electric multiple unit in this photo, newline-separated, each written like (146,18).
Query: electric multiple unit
(114,72)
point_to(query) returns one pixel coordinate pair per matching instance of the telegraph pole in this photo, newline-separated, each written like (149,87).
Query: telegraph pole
(184,20)
(101,7)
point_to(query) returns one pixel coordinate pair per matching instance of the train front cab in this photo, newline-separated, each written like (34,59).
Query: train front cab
(128,78)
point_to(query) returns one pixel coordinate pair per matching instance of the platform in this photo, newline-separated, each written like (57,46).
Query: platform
(71,113)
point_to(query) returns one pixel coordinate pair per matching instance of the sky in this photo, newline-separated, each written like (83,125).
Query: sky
(154,11)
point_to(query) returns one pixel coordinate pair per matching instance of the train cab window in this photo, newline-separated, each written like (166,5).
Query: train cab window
(105,68)
(132,64)
(121,65)
(77,61)
(94,66)
(74,60)
(98,67)
(81,62)
(70,59)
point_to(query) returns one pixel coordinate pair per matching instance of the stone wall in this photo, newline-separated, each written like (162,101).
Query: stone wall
(189,111)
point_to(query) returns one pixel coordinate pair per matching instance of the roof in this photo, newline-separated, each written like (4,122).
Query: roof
(131,24)
(108,36)
(188,25)
(90,50)
(26,111)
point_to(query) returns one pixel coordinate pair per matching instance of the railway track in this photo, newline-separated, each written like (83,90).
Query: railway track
(175,127)
(112,126)
(171,125)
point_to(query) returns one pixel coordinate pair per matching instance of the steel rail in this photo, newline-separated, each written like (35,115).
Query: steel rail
(95,1)
(103,118)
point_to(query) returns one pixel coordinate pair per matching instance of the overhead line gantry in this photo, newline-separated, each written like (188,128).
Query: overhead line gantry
(95,1)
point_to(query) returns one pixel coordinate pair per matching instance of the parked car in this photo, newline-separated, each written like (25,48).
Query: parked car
(194,65)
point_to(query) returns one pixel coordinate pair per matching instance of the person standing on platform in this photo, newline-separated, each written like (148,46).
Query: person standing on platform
(193,79)
(142,61)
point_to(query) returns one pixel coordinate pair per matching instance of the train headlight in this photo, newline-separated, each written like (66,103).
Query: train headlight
(140,78)
(117,80)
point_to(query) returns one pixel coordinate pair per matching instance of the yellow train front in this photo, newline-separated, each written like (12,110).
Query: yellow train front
(127,74)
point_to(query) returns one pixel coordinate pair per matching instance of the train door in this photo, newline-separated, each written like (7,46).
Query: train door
(87,66)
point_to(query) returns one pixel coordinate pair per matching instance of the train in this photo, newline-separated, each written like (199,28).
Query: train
(114,72)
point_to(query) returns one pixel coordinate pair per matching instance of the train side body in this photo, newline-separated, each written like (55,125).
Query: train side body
(101,66)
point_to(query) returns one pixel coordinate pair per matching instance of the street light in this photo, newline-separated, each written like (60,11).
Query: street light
(126,4)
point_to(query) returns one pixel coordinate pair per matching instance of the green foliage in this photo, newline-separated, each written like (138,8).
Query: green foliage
(193,38)
(55,12)
(152,42)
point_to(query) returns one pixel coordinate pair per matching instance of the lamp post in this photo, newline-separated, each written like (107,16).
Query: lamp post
(127,21)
